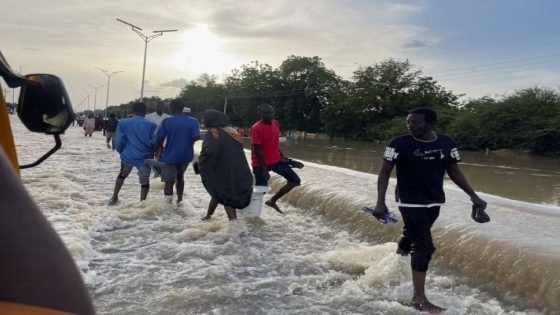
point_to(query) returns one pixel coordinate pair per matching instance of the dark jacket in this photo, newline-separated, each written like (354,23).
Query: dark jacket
(110,125)
(222,163)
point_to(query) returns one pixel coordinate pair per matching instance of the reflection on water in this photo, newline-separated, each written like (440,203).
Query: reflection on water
(528,178)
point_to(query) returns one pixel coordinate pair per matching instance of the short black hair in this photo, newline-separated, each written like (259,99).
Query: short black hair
(177,105)
(139,108)
(112,115)
(264,106)
(429,114)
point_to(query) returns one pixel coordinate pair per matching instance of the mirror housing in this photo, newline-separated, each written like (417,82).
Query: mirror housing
(44,105)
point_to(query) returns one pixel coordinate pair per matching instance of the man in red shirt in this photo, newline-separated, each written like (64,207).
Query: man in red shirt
(266,155)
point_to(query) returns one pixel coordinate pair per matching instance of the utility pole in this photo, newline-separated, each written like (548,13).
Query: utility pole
(95,95)
(146,39)
(87,96)
(109,74)
(225,104)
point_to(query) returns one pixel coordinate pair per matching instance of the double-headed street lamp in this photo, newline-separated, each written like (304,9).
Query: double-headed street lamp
(146,39)
(87,97)
(95,88)
(109,74)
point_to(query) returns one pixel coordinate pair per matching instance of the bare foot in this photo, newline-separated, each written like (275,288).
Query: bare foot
(108,146)
(402,252)
(113,201)
(207,218)
(273,206)
(423,305)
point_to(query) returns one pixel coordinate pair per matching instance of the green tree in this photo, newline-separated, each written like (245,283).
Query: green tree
(529,119)
(379,97)
(203,93)
(309,87)
(124,109)
(249,86)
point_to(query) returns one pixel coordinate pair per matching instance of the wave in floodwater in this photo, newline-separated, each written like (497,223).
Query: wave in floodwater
(323,256)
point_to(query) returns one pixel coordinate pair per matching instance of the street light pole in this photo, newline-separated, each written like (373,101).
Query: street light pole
(109,74)
(95,95)
(146,39)
(87,95)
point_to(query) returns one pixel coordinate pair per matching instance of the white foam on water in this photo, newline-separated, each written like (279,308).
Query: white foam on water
(323,256)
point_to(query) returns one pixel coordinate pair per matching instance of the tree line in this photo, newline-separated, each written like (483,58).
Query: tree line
(373,104)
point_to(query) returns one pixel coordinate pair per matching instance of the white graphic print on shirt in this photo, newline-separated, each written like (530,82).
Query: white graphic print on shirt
(390,154)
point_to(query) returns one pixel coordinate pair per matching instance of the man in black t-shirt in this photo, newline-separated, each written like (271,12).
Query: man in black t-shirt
(422,158)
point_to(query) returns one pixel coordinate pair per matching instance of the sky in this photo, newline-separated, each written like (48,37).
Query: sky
(476,47)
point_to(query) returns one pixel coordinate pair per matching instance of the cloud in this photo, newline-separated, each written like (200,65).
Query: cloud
(77,35)
(415,43)
(177,83)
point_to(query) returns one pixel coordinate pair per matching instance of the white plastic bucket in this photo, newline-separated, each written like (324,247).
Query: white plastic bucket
(255,207)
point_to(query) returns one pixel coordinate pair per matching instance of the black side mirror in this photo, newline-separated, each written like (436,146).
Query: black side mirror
(44,105)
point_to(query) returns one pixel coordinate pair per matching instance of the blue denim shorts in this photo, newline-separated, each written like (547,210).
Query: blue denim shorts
(281,169)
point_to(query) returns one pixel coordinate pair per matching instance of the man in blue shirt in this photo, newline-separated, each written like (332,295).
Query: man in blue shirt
(180,133)
(133,140)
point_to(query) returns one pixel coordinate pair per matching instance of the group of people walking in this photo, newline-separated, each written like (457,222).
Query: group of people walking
(422,158)
(137,139)
(222,164)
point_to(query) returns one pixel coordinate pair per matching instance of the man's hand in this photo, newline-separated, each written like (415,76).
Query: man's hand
(380,210)
(478,203)
(478,214)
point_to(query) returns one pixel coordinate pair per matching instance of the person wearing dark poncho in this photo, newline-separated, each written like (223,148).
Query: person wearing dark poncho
(223,166)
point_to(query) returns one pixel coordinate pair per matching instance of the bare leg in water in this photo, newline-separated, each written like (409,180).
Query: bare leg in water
(284,190)
(211,208)
(144,192)
(419,300)
(231,213)
(180,185)
(118,185)
(168,191)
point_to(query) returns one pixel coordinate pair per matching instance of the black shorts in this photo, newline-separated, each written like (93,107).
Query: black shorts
(281,169)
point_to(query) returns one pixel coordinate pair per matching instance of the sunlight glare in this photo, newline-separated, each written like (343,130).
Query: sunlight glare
(203,52)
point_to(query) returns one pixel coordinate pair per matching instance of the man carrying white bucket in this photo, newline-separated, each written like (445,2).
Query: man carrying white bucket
(266,155)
